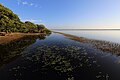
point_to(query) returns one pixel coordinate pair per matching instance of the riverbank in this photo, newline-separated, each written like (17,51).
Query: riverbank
(14,36)
(105,46)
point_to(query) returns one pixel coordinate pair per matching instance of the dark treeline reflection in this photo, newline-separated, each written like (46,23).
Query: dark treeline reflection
(12,50)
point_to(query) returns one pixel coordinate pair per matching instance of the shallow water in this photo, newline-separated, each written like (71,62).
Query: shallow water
(57,58)
(108,35)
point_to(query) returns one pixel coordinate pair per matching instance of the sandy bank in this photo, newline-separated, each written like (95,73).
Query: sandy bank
(14,36)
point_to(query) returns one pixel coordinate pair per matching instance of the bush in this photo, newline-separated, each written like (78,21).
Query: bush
(10,22)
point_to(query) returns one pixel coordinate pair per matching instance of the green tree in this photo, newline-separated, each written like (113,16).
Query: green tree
(10,22)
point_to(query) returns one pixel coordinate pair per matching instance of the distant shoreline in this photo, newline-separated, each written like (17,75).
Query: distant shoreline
(104,46)
(89,29)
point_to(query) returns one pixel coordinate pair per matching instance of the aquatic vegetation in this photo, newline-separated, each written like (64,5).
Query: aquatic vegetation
(105,46)
(13,49)
(55,62)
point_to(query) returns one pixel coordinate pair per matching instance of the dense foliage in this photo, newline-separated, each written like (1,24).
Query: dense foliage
(10,22)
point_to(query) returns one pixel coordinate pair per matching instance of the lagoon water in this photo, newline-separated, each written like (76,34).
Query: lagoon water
(56,57)
(107,35)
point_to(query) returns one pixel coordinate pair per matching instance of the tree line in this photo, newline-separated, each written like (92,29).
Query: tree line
(10,22)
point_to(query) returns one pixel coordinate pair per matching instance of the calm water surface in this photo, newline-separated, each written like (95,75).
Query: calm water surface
(108,35)
(55,57)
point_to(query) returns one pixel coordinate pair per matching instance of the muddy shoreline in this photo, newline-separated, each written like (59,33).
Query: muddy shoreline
(105,46)
(15,36)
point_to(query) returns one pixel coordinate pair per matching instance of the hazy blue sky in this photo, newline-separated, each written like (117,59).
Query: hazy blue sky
(68,13)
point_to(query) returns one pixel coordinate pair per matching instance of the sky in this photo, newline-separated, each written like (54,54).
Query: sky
(68,14)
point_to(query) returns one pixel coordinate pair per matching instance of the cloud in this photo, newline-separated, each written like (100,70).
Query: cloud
(18,1)
(24,3)
(33,20)
(31,4)
(21,2)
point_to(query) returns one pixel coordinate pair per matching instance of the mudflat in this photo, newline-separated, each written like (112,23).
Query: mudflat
(105,46)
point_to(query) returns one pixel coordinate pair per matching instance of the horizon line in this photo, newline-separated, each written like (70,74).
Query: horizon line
(85,29)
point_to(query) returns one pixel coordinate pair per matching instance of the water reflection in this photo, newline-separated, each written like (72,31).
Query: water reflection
(58,58)
(107,35)
(56,63)
(12,50)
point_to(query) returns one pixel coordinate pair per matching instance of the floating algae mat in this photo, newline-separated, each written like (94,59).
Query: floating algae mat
(59,58)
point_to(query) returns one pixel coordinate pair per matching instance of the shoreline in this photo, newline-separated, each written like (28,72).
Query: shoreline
(15,43)
(14,36)
(104,46)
